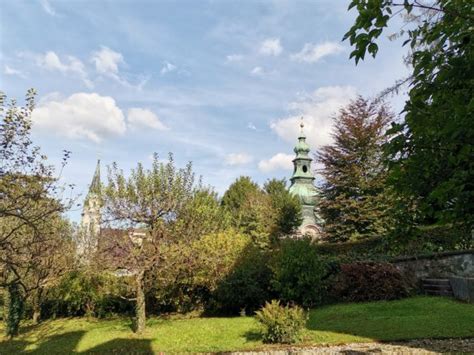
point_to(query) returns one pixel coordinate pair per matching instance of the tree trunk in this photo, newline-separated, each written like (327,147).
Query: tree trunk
(37,305)
(140,303)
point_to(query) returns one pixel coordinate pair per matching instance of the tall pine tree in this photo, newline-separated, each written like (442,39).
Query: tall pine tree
(355,197)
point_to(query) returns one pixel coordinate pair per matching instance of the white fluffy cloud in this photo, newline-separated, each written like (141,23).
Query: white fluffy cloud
(311,53)
(139,117)
(81,115)
(107,61)
(167,68)
(238,159)
(317,110)
(271,46)
(280,161)
(51,61)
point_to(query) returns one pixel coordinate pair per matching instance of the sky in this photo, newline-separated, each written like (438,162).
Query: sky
(220,83)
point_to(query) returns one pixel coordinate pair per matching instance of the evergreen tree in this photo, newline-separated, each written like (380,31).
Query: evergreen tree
(355,196)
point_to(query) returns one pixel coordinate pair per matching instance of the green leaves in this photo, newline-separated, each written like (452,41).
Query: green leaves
(431,152)
(281,324)
(373,17)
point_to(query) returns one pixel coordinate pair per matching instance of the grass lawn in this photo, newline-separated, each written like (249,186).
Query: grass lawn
(419,317)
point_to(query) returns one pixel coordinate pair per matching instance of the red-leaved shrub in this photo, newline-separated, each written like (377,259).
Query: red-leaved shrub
(369,281)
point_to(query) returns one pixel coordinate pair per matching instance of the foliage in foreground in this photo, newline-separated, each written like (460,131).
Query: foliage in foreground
(281,324)
(300,274)
(432,152)
(34,238)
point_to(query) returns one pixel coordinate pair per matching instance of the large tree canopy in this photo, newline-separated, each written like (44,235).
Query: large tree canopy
(31,226)
(431,154)
(355,194)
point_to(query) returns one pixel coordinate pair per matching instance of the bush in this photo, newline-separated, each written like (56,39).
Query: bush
(86,293)
(281,324)
(300,273)
(196,270)
(369,281)
(247,286)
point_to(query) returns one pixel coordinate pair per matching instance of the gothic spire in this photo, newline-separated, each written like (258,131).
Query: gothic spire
(95,184)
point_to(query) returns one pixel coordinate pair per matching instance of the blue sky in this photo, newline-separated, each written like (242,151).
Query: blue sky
(218,83)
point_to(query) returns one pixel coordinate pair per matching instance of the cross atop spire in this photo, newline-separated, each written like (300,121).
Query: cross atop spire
(301,128)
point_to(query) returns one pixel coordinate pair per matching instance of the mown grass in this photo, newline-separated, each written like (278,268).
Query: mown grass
(419,317)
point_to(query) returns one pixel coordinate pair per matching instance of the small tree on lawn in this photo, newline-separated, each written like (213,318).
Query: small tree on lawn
(151,211)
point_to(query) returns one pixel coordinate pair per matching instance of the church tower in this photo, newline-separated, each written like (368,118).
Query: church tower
(302,186)
(90,221)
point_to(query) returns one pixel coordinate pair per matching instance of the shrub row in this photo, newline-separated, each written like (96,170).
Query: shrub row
(228,275)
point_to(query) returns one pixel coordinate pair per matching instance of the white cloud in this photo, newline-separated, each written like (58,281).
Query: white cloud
(271,46)
(257,71)
(47,7)
(234,57)
(51,61)
(167,68)
(107,61)
(318,110)
(251,126)
(280,161)
(11,71)
(311,53)
(238,159)
(139,117)
(81,115)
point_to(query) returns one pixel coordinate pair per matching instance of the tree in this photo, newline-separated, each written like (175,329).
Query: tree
(30,198)
(250,210)
(286,207)
(151,212)
(355,198)
(431,152)
(262,214)
(49,260)
(237,195)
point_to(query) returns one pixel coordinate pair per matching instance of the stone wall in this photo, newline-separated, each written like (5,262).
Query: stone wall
(440,265)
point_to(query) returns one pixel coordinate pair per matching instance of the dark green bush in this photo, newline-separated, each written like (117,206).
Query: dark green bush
(300,274)
(281,324)
(247,286)
(369,281)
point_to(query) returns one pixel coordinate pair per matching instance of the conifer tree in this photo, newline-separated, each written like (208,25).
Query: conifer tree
(355,195)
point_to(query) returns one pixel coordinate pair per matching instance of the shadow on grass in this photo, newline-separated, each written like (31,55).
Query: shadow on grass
(253,335)
(66,343)
(123,346)
(63,343)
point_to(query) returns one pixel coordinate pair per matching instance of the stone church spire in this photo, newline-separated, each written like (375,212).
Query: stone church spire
(302,186)
(91,218)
